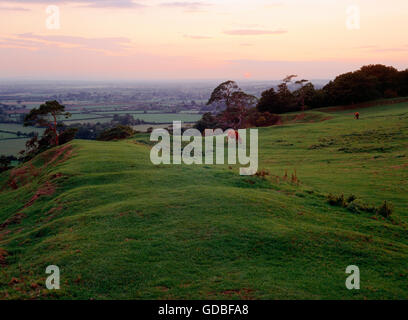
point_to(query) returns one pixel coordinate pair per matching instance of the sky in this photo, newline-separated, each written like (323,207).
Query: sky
(198,39)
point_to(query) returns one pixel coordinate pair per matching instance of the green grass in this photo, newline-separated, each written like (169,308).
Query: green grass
(119,227)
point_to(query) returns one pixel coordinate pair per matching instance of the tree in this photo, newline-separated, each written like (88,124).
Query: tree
(236,102)
(5,163)
(224,93)
(255,118)
(67,135)
(351,88)
(116,133)
(208,121)
(32,148)
(403,83)
(288,79)
(47,116)
(269,101)
(318,99)
(286,97)
(278,102)
(235,115)
(304,93)
(387,77)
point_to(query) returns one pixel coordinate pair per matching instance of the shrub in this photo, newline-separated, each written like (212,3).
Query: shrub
(67,135)
(357,206)
(262,173)
(386,209)
(294,178)
(256,118)
(116,133)
(362,206)
(5,163)
(353,207)
(336,200)
(208,121)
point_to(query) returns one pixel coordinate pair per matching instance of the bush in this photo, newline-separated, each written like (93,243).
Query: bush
(336,200)
(385,210)
(357,206)
(68,135)
(208,121)
(5,163)
(117,133)
(262,119)
(353,207)
(364,207)
(262,173)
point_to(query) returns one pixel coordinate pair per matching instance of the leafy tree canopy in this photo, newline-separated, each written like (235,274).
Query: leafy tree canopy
(47,116)
(224,93)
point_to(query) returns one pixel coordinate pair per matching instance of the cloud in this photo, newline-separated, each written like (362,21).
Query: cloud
(115,4)
(13,9)
(374,48)
(366,47)
(88,3)
(274,5)
(254,32)
(391,50)
(32,41)
(188,6)
(19,44)
(197,37)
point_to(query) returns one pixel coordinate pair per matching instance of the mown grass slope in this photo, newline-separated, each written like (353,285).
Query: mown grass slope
(120,227)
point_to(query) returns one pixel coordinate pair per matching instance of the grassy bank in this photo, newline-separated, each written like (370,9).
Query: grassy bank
(119,227)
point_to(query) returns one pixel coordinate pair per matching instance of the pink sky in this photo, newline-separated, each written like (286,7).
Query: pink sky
(208,39)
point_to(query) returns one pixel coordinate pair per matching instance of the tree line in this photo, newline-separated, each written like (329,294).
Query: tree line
(370,82)
(236,109)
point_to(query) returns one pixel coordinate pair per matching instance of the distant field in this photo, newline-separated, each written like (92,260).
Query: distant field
(145,127)
(190,112)
(148,117)
(81,116)
(91,106)
(4,135)
(112,112)
(18,127)
(168,117)
(12,146)
(100,120)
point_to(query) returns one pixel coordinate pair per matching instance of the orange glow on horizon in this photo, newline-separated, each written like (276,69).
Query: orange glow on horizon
(154,39)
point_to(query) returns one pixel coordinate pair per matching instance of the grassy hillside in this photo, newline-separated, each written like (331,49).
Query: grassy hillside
(119,227)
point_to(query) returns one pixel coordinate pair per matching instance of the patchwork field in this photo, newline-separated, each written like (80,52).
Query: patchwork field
(10,142)
(148,117)
(12,146)
(120,227)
